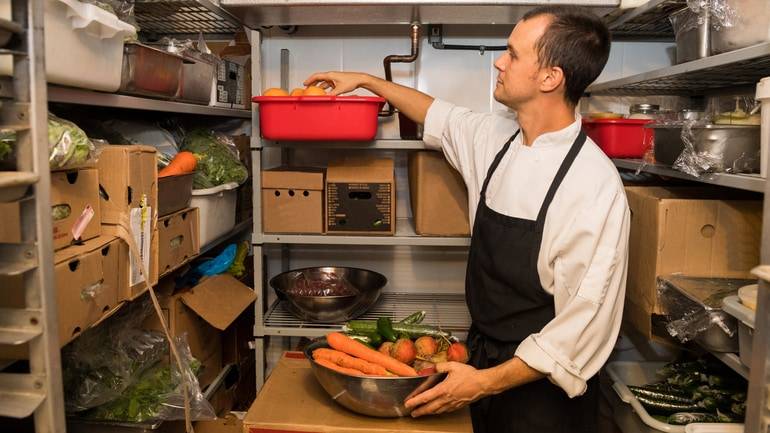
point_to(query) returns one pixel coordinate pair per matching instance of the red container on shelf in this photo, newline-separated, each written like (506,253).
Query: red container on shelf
(318,118)
(620,138)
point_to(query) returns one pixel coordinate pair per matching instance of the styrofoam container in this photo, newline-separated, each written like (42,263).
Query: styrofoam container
(629,413)
(217,210)
(83,46)
(746,316)
(763,96)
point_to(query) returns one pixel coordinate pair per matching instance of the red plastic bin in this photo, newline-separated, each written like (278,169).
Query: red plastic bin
(318,118)
(620,138)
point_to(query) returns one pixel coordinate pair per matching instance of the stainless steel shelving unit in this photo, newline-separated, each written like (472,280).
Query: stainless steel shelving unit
(38,392)
(648,21)
(447,311)
(71,95)
(749,182)
(184,18)
(739,68)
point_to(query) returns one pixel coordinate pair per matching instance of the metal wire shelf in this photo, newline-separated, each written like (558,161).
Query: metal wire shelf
(448,311)
(648,21)
(739,68)
(184,17)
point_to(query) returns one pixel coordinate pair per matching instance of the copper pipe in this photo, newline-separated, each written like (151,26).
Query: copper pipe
(415,35)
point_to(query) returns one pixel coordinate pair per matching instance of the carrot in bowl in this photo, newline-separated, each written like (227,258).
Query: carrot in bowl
(349,371)
(343,343)
(344,360)
(183,162)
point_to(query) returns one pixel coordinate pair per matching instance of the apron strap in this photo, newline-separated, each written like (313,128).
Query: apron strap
(565,166)
(496,162)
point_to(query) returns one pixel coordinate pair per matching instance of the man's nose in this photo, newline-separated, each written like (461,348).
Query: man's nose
(499,63)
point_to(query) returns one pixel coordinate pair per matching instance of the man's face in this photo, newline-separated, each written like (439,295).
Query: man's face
(518,68)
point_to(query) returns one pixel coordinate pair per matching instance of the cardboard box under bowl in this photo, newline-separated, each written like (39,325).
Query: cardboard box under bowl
(438,195)
(75,196)
(292,400)
(178,239)
(361,197)
(292,200)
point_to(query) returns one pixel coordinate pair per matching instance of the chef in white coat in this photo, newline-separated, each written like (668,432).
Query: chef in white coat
(547,266)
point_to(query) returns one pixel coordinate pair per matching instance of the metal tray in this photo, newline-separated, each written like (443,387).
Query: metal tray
(174,193)
(148,71)
(197,78)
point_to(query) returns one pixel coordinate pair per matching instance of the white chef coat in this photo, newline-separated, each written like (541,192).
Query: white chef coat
(584,252)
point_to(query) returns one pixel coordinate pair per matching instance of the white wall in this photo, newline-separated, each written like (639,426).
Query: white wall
(461,77)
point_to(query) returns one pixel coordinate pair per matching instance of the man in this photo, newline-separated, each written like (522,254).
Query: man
(547,264)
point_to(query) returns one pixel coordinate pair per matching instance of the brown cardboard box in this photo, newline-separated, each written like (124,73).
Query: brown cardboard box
(292,400)
(292,200)
(202,313)
(78,191)
(361,197)
(690,231)
(229,423)
(178,239)
(438,194)
(237,348)
(128,177)
(10,229)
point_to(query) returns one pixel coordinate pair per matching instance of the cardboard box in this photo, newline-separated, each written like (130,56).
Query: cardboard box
(292,200)
(237,349)
(75,202)
(201,313)
(128,177)
(438,195)
(178,239)
(10,229)
(361,197)
(292,400)
(229,423)
(690,231)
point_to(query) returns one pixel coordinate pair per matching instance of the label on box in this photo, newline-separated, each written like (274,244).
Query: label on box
(359,207)
(82,222)
(141,228)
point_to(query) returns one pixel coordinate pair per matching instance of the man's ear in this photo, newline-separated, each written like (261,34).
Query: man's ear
(552,79)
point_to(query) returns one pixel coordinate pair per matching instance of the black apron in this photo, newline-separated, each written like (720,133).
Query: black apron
(507,303)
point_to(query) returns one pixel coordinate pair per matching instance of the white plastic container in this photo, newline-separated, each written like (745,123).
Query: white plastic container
(763,96)
(698,427)
(746,316)
(83,46)
(217,210)
(628,412)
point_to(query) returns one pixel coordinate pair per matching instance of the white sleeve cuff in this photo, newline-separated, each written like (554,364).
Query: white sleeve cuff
(435,123)
(562,372)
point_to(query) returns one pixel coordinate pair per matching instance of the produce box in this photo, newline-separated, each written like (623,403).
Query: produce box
(128,177)
(202,312)
(75,206)
(292,401)
(439,196)
(361,197)
(10,230)
(178,239)
(686,230)
(292,200)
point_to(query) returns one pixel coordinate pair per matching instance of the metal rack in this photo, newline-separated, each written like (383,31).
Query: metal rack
(648,21)
(372,145)
(749,182)
(739,68)
(447,311)
(184,17)
(37,393)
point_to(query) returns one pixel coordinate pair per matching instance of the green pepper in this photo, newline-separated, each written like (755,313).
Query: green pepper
(385,329)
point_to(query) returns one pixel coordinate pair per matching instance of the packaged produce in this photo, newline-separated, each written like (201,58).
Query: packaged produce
(7,147)
(217,156)
(68,145)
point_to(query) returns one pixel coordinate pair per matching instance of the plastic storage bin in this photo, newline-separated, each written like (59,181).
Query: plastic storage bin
(732,306)
(628,412)
(83,45)
(217,210)
(620,138)
(318,118)
(763,96)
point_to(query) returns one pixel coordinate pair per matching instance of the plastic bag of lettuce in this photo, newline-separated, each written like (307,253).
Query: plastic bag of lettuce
(217,156)
(68,145)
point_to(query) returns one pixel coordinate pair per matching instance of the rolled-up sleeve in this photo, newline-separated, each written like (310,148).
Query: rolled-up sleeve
(590,266)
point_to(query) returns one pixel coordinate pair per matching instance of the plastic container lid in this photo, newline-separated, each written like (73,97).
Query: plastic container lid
(763,88)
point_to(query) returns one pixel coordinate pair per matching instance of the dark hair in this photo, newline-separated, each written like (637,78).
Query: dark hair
(577,41)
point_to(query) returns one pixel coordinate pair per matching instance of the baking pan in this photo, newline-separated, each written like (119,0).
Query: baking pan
(148,71)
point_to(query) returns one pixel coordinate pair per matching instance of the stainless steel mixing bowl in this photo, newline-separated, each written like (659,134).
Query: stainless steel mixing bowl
(382,397)
(330,309)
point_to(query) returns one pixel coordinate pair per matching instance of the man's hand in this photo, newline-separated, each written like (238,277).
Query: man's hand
(340,82)
(462,386)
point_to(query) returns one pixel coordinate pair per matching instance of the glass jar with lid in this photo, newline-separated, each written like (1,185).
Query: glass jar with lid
(643,111)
